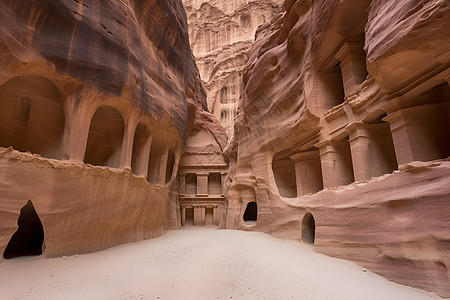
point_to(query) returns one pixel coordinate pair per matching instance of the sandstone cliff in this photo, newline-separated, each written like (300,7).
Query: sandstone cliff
(96,101)
(221,34)
(342,135)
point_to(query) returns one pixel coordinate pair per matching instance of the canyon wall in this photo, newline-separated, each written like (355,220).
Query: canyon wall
(221,33)
(341,139)
(96,102)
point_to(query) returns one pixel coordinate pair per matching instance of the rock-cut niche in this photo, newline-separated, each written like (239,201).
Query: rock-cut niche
(31,116)
(29,237)
(251,212)
(308,229)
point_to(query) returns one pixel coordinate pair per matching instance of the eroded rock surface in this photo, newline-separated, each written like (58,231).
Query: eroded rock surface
(102,96)
(221,33)
(342,135)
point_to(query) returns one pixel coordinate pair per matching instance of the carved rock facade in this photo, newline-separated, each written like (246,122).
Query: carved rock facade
(221,33)
(342,135)
(95,107)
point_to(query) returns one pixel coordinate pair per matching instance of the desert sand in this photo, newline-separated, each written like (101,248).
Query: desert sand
(198,263)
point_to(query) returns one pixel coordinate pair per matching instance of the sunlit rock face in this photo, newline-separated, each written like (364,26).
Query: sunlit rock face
(96,101)
(221,33)
(342,135)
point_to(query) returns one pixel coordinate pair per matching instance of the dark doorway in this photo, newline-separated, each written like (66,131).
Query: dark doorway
(29,237)
(251,212)
(308,229)
(189,217)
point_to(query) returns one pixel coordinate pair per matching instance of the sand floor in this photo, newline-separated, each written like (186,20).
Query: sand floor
(199,264)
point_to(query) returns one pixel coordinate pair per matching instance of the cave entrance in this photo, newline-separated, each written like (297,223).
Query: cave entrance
(251,212)
(29,237)
(308,229)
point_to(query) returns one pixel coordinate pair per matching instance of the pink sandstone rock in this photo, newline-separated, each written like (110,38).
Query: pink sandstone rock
(99,98)
(342,135)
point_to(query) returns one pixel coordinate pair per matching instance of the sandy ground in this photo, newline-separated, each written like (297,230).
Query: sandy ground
(198,264)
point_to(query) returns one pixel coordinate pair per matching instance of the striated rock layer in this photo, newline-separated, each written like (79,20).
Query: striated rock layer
(342,135)
(96,101)
(221,34)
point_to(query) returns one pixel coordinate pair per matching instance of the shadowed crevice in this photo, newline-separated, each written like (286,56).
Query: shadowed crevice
(29,237)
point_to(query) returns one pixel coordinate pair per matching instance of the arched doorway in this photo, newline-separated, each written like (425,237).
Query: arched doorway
(29,237)
(105,138)
(251,213)
(308,228)
(31,116)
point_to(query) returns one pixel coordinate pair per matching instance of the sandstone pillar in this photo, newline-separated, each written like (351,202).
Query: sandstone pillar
(76,127)
(420,133)
(203,216)
(371,149)
(183,215)
(162,167)
(353,65)
(336,163)
(308,172)
(202,184)
(197,216)
(126,152)
(222,182)
(143,158)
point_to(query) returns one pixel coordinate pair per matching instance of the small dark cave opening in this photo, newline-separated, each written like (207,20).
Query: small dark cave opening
(308,229)
(251,212)
(29,237)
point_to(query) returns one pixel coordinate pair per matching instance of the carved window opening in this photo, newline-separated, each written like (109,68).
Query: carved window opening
(105,138)
(333,87)
(214,184)
(308,229)
(223,116)
(191,184)
(251,213)
(246,21)
(31,116)
(29,237)
(141,138)
(284,172)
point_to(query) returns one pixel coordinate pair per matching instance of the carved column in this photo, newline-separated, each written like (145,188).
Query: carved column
(419,133)
(353,65)
(372,150)
(198,216)
(336,164)
(203,216)
(77,123)
(163,166)
(308,172)
(142,160)
(126,151)
(183,215)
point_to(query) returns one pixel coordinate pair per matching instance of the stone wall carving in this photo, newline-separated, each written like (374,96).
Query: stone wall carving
(342,135)
(95,108)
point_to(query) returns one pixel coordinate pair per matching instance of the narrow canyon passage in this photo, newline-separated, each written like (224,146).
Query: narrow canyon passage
(198,263)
